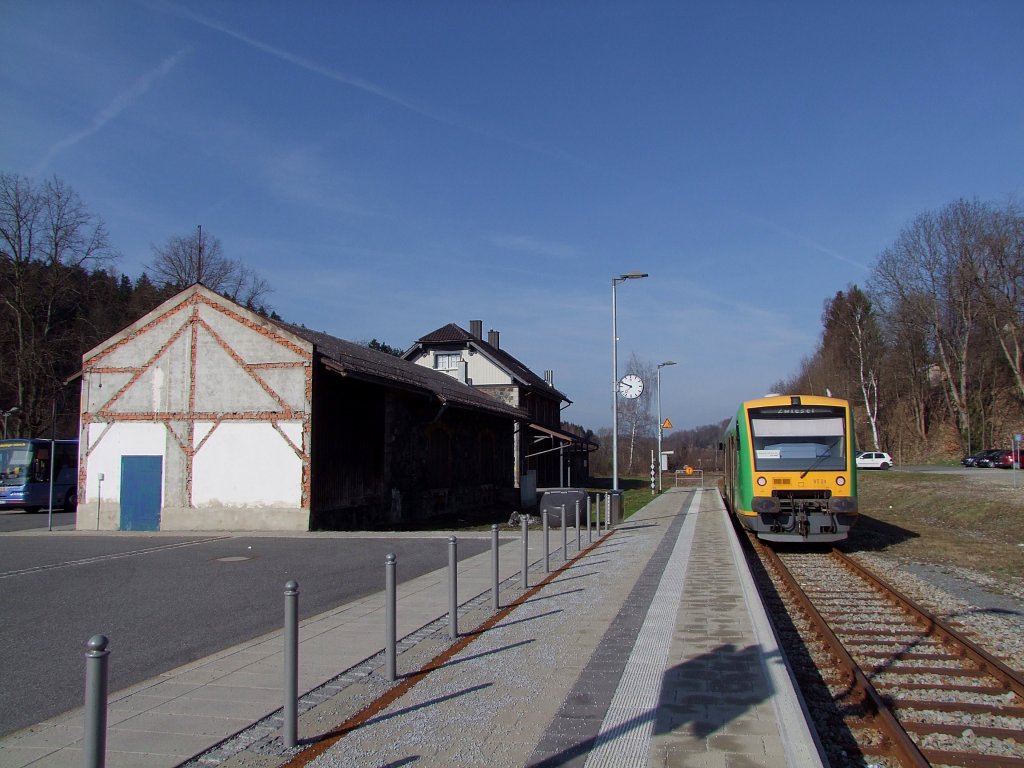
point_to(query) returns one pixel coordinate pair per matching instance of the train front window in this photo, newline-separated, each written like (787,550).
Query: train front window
(797,444)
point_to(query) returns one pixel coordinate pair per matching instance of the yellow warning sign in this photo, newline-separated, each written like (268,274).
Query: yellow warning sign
(667,424)
(689,469)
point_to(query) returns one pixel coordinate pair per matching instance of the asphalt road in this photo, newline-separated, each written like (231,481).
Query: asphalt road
(16,520)
(166,600)
(980,475)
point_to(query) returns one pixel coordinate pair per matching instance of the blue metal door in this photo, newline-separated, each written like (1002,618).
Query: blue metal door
(141,482)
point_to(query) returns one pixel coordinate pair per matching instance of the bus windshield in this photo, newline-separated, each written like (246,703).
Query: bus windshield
(29,480)
(798,444)
(15,459)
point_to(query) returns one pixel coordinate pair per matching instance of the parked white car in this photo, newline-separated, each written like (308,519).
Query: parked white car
(873,460)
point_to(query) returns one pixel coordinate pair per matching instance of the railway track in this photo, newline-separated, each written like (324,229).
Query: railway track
(910,690)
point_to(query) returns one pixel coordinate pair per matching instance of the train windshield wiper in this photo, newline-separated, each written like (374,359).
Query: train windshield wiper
(817,461)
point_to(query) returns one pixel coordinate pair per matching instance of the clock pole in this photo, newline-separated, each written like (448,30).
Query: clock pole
(615,375)
(615,392)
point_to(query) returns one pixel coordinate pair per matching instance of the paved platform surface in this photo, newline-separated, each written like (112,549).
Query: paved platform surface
(648,648)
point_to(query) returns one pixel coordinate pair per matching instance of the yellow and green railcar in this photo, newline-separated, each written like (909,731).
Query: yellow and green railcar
(790,473)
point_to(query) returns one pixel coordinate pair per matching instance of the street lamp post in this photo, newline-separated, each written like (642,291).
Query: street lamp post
(660,366)
(13,410)
(615,375)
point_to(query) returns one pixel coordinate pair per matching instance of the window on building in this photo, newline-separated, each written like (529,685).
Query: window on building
(447,361)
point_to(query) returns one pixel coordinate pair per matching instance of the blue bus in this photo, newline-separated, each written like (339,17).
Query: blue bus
(25,474)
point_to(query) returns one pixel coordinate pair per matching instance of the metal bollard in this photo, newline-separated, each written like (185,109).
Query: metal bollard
(526,551)
(607,511)
(547,554)
(495,603)
(97,660)
(565,547)
(391,620)
(453,588)
(290,736)
(577,525)
(590,536)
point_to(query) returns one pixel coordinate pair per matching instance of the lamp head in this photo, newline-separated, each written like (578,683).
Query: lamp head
(667,362)
(632,275)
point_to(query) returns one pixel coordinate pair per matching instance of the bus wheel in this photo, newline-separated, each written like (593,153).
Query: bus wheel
(70,500)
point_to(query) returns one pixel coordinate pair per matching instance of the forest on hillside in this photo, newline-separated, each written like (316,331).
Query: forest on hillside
(60,296)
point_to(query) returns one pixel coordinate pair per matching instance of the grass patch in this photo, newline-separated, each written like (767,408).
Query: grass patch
(941,519)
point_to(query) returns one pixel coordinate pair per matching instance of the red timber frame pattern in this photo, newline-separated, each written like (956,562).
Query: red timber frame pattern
(191,324)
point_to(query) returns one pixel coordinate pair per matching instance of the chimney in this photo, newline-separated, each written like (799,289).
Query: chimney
(476,329)
(492,338)
(549,378)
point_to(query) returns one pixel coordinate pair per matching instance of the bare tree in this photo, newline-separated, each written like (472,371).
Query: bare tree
(199,258)
(852,332)
(907,367)
(929,272)
(635,414)
(1000,280)
(48,241)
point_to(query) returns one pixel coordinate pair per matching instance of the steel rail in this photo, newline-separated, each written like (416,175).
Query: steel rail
(937,627)
(900,744)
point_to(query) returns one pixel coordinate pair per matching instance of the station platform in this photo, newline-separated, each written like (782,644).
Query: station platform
(646,647)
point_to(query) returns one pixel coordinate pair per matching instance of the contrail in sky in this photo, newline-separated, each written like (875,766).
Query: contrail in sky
(120,103)
(813,244)
(364,85)
(311,66)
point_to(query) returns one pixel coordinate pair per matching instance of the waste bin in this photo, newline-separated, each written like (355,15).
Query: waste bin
(616,500)
(553,499)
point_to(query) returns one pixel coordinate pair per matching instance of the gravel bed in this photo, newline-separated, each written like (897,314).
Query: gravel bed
(991,613)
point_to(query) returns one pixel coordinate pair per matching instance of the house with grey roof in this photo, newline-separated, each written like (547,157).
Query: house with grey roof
(203,415)
(545,454)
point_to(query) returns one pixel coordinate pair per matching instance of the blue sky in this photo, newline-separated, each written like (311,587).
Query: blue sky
(391,167)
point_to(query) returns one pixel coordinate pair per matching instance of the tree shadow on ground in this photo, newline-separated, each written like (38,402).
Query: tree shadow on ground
(873,535)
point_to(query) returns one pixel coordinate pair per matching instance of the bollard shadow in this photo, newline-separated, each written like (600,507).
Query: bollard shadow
(697,699)
(538,598)
(586,563)
(637,526)
(503,624)
(339,732)
(562,579)
(462,659)
(423,705)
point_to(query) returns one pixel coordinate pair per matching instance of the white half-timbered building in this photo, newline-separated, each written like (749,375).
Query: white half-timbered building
(204,415)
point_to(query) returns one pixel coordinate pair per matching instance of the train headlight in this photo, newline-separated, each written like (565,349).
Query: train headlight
(762,481)
(840,480)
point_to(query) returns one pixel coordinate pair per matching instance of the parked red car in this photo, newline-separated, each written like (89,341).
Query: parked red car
(1003,459)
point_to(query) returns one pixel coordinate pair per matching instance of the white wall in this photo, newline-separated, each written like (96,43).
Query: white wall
(246,464)
(104,457)
(479,368)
